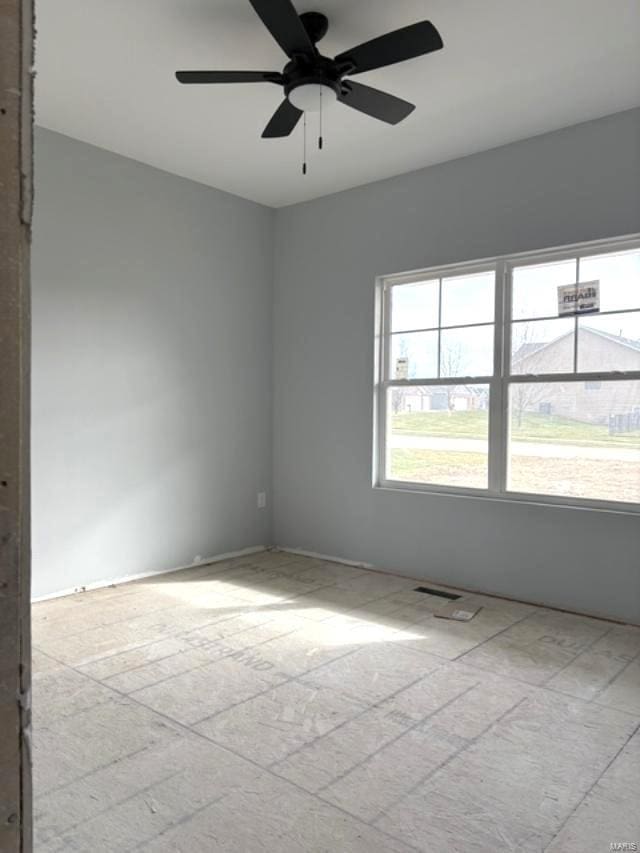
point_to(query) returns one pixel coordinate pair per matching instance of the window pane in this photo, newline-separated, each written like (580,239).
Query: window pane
(619,277)
(421,348)
(535,288)
(467,352)
(439,435)
(468,299)
(571,440)
(609,342)
(542,346)
(414,306)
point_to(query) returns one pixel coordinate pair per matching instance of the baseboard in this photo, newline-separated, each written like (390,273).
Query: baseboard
(327,557)
(256,549)
(117,581)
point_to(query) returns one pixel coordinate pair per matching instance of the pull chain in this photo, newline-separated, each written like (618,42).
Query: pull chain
(320,139)
(304,160)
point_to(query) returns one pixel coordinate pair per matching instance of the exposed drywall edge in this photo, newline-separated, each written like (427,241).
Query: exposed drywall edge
(327,557)
(446,585)
(118,581)
(16,180)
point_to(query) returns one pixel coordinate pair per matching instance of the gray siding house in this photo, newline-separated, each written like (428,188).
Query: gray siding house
(613,403)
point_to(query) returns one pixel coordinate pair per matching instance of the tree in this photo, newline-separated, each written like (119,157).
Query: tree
(450,364)
(524,396)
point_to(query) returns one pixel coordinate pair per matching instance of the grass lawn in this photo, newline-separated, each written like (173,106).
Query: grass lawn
(440,467)
(545,429)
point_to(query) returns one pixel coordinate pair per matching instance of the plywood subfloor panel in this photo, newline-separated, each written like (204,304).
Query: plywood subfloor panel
(279,703)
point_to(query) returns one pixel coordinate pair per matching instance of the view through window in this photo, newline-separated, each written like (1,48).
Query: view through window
(483,386)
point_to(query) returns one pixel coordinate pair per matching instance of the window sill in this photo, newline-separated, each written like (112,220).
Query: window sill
(617,507)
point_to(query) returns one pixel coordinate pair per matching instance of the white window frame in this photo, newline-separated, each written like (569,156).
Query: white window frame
(499,382)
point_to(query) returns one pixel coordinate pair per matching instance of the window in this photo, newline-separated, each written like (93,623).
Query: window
(483,388)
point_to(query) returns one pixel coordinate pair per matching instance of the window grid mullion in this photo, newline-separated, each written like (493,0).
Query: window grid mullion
(439,323)
(386,337)
(506,372)
(498,425)
(520,320)
(383,399)
(444,328)
(550,378)
(575,323)
(433,380)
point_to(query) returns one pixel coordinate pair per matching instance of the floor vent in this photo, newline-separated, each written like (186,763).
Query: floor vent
(440,592)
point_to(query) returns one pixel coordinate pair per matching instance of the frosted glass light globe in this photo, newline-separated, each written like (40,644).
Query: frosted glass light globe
(307,97)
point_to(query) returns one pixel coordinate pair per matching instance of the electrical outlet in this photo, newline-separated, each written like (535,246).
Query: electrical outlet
(262,500)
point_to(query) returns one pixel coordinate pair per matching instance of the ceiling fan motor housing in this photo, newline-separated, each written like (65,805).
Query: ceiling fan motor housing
(316,24)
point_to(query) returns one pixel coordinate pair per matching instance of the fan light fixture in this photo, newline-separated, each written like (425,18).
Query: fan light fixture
(310,98)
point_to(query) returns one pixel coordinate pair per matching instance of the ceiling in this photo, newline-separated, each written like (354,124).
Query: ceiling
(509,69)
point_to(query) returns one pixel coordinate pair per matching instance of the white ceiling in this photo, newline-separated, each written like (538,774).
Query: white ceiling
(509,69)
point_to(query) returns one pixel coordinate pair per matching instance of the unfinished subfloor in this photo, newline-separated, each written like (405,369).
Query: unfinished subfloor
(284,704)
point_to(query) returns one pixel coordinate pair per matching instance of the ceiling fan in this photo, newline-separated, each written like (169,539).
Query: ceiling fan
(309,78)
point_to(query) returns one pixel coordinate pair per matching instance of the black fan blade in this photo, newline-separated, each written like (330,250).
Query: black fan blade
(283,121)
(405,43)
(228,76)
(284,24)
(375,103)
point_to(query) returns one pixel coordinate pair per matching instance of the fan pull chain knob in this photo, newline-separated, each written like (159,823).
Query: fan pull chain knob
(320,139)
(304,144)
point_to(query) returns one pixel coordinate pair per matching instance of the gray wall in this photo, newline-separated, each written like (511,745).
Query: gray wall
(577,184)
(151,368)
